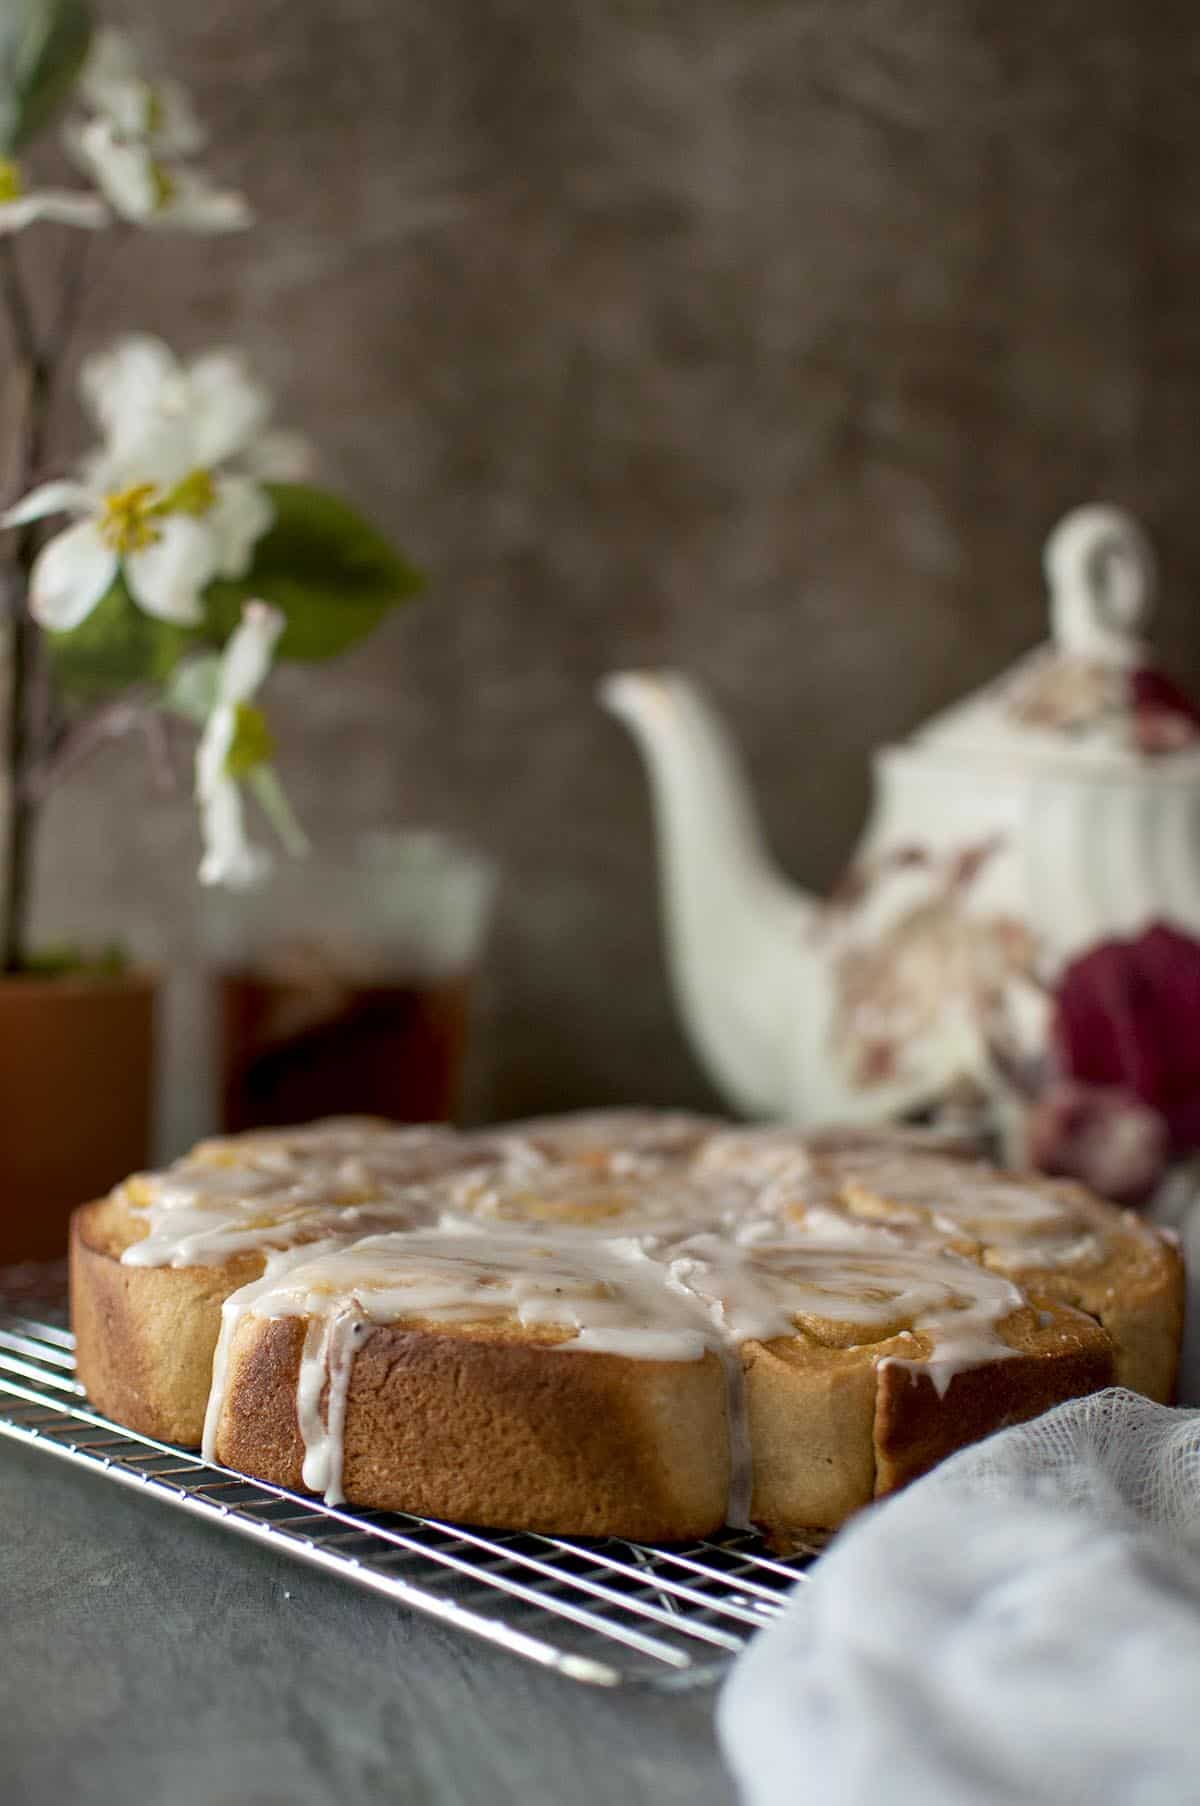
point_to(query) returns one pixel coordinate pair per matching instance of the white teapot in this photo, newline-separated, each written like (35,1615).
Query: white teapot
(1055,809)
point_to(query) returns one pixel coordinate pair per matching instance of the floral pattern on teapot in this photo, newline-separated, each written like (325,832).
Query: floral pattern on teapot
(897,982)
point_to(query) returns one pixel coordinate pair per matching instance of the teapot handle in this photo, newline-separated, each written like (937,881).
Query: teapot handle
(1100,570)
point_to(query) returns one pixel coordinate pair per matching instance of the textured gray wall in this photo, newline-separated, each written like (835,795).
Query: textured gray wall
(763,337)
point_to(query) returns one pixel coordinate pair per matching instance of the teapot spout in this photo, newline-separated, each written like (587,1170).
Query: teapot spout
(742,961)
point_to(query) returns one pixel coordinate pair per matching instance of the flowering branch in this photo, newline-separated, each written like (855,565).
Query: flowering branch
(23,656)
(144,604)
(16,302)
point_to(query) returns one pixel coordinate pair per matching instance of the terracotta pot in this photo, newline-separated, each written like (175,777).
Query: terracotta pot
(76,1098)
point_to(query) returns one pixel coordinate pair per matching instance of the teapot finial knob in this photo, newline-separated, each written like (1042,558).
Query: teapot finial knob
(1100,568)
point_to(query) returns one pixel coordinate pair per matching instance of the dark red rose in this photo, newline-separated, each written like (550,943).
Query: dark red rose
(1128,1019)
(1107,1138)
(1165,718)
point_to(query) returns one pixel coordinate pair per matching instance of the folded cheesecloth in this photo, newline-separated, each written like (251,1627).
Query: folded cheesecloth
(1022,1625)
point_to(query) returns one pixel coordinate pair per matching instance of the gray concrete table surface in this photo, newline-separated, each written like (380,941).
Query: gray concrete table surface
(147,1657)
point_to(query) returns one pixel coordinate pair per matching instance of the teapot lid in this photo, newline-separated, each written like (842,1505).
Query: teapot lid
(1092,697)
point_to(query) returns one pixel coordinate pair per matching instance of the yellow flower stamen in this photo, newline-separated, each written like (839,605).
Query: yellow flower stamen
(163,184)
(253,742)
(11,186)
(194,494)
(126,520)
(156,113)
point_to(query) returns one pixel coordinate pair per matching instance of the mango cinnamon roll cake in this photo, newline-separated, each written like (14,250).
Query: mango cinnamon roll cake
(629,1323)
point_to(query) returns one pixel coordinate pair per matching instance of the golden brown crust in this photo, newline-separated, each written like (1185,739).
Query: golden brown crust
(492,1430)
(109,1226)
(144,1336)
(1063,1356)
(1137,1291)
(1131,1280)
(498,1424)
(810,1412)
(834,1427)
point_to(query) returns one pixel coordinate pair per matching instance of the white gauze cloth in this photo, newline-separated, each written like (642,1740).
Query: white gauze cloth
(1021,1626)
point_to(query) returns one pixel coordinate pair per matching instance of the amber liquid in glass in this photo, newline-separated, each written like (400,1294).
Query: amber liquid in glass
(291,1050)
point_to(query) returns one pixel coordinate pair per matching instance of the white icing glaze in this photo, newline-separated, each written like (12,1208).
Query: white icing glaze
(1065,1250)
(615,1297)
(272,1189)
(620,1139)
(767,1289)
(258,1193)
(755,1157)
(330,1344)
(565,1201)
(609,1293)
(833,1225)
(1022,1224)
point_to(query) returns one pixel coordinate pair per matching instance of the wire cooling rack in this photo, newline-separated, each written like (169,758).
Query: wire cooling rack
(606,1613)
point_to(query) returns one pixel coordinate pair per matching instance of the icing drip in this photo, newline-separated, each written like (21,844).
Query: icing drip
(326,1362)
(315,1429)
(740,1497)
(233,1310)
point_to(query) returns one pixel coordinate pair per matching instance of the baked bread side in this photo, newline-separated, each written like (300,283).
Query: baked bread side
(144,1336)
(469,1422)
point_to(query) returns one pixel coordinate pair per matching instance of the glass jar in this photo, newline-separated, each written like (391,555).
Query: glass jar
(342,985)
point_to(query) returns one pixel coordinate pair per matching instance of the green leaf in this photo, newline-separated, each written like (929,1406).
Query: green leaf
(272,800)
(43,45)
(61,959)
(118,645)
(330,572)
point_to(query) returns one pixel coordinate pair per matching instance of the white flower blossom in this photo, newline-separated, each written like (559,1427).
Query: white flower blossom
(21,206)
(157,537)
(131,144)
(140,186)
(159,111)
(139,392)
(229,858)
(242,511)
(164,500)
